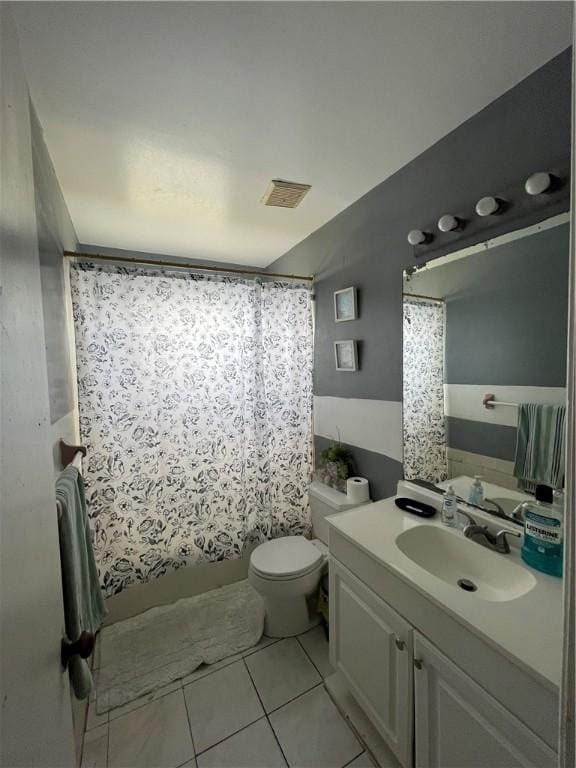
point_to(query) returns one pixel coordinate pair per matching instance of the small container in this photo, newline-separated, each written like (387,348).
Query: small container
(542,547)
(450,508)
(476,495)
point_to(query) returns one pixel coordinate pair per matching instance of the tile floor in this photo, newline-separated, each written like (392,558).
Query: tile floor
(265,708)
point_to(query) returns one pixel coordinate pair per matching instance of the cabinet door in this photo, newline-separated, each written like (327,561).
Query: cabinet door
(371,645)
(460,725)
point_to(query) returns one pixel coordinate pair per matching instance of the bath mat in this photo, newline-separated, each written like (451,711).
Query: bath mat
(166,643)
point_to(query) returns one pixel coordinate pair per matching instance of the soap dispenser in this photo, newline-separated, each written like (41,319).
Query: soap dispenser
(450,508)
(476,495)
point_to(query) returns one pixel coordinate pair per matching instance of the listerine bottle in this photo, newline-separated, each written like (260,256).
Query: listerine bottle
(542,547)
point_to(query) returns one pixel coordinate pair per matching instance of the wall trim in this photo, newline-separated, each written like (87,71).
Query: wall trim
(374,425)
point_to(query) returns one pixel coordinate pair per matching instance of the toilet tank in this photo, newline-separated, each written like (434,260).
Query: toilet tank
(325,501)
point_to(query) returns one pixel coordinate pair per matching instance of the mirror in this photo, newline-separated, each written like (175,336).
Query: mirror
(490,320)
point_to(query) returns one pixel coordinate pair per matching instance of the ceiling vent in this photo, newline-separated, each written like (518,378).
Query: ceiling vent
(285,194)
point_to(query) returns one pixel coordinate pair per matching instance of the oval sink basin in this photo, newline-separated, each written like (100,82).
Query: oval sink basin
(465,564)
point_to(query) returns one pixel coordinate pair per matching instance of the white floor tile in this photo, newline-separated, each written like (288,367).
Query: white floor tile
(154,736)
(143,700)
(95,748)
(362,761)
(281,672)
(209,669)
(93,719)
(264,642)
(316,646)
(313,733)
(221,704)
(254,747)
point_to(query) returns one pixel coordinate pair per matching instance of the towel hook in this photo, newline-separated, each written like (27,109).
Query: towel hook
(67,452)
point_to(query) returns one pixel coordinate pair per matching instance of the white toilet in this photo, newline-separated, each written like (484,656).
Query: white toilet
(286,572)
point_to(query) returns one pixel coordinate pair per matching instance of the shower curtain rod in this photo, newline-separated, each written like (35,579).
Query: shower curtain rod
(428,298)
(180,265)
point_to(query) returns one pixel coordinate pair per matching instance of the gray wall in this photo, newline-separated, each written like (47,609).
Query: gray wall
(526,129)
(507,324)
(36,722)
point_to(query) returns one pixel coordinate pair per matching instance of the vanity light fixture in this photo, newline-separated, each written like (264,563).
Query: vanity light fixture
(449,223)
(418,237)
(488,206)
(538,183)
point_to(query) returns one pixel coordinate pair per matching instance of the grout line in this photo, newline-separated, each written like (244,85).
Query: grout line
(348,720)
(254,649)
(144,703)
(189,727)
(235,733)
(303,693)
(82,749)
(266,715)
(355,758)
(308,656)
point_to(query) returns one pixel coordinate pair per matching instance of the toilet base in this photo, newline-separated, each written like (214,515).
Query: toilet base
(290,616)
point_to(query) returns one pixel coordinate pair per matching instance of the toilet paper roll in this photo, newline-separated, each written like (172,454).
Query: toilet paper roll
(357,490)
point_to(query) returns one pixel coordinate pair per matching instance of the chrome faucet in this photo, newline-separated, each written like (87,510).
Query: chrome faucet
(471,520)
(499,509)
(481,535)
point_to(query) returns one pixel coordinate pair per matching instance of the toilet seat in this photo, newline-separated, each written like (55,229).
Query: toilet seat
(290,557)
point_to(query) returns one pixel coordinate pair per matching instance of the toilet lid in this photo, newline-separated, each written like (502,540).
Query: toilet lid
(289,556)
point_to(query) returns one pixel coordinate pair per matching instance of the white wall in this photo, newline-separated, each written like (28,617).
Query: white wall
(36,718)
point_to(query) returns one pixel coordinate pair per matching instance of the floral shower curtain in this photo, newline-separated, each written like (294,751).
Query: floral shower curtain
(195,397)
(423,397)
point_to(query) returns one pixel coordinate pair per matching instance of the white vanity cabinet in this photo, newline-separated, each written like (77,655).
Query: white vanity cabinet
(457,723)
(371,645)
(430,712)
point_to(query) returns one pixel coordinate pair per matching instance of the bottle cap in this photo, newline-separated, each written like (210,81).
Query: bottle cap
(544,493)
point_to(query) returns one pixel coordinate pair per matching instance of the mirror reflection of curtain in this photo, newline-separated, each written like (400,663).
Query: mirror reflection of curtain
(423,397)
(195,397)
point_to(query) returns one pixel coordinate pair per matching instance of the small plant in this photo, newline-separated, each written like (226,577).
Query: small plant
(337,464)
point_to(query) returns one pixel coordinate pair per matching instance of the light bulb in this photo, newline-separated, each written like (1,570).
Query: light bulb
(538,183)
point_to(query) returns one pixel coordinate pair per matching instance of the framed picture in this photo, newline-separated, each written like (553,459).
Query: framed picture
(345,355)
(345,305)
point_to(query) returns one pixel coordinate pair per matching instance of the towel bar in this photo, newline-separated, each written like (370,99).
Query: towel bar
(83,647)
(489,401)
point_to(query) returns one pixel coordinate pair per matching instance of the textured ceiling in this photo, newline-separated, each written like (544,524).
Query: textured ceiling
(166,121)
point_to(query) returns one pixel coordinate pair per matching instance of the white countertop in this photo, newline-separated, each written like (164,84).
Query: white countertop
(527,629)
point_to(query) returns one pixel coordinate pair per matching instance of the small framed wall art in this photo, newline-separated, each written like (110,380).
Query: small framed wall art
(345,355)
(345,305)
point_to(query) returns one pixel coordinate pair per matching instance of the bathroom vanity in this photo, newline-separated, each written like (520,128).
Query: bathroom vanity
(450,678)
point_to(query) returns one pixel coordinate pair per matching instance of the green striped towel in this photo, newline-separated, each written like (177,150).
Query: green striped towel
(84,607)
(540,446)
